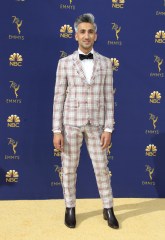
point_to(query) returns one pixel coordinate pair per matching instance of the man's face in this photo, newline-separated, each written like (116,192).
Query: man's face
(85,36)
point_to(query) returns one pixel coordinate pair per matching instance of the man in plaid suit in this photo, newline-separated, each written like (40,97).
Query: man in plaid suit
(84,108)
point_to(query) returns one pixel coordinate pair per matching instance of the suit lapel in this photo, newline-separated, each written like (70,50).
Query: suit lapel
(95,67)
(78,66)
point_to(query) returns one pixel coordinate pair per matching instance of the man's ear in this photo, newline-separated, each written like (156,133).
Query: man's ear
(96,37)
(76,37)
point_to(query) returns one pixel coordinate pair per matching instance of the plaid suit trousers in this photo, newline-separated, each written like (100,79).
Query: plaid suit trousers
(73,137)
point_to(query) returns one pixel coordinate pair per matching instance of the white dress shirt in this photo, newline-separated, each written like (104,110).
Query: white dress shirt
(87,65)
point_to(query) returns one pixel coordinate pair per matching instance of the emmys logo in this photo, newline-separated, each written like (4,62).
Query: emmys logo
(63,54)
(155,97)
(13,144)
(117,30)
(12,176)
(66,31)
(13,121)
(15,60)
(154,119)
(59,171)
(15,88)
(57,152)
(118,3)
(161,13)
(150,171)
(115,64)
(151,150)
(159,62)
(109,149)
(18,23)
(68,6)
(160,37)
(109,152)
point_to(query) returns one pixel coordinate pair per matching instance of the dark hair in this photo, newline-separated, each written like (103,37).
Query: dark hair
(86,17)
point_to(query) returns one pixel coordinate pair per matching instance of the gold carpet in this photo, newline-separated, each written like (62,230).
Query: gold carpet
(140,219)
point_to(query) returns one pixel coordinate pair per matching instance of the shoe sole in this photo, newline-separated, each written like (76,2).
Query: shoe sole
(114,227)
(69,226)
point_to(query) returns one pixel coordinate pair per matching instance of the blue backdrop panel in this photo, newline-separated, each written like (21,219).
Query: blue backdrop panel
(131,34)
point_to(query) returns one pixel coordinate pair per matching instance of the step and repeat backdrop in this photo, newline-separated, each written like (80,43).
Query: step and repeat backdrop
(34,35)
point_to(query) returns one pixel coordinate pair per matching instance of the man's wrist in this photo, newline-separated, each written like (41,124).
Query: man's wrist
(57,133)
(108,130)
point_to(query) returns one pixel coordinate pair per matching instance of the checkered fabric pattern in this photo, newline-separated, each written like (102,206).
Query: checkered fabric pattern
(76,102)
(73,137)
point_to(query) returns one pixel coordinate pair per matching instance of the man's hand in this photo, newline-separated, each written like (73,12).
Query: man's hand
(105,140)
(58,141)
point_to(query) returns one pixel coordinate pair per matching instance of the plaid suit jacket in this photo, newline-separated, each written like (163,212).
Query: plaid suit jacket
(75,101)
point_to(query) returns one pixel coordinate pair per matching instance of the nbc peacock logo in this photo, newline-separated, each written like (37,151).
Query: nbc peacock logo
(12,176)
(115,64)
(160,37)
(118,3)
(15,60)
(151,150)
(155,97)
(66,31)
(13,121)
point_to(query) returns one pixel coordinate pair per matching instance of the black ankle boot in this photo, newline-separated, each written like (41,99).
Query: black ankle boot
(70,218)
(109,215)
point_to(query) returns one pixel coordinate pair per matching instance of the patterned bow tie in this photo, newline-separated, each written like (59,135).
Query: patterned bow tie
(89,56)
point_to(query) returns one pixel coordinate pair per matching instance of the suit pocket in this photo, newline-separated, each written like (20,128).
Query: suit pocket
(71,103)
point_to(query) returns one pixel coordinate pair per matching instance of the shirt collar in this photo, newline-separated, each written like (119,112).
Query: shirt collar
(80,52)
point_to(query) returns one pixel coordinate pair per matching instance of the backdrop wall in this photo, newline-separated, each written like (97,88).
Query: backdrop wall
(34,35)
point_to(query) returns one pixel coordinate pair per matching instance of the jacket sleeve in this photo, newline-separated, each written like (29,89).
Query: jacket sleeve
(109,97)
(59,96)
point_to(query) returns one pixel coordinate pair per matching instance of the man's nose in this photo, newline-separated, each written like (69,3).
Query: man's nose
(86,35)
